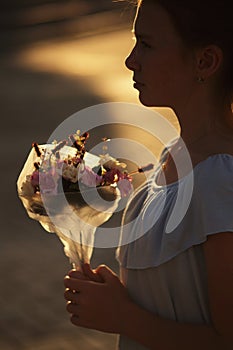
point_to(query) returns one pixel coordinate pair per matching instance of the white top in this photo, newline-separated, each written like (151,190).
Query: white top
(163,266)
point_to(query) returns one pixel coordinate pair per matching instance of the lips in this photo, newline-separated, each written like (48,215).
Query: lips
(137,84)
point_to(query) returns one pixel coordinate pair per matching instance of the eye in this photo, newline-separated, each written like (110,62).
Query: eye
(145,44)
(139,40)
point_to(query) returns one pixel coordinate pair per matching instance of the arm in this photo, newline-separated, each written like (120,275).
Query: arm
(169,335)
(106,306)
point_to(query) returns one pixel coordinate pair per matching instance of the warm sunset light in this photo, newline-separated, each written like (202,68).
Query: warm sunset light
(99,61)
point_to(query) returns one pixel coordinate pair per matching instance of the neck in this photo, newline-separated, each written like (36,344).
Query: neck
(206,125)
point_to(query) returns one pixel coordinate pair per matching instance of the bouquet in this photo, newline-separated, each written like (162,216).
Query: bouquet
(71,191)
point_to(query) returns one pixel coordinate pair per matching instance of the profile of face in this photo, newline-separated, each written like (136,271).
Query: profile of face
(163,69)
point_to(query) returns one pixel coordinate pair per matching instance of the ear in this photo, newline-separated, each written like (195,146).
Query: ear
(208,61)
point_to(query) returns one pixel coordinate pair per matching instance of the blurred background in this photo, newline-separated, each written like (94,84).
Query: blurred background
(57,57)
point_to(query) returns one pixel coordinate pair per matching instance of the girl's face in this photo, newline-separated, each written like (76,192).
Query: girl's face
(163,70)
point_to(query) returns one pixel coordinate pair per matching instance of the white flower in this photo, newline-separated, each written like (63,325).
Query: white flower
(70,172)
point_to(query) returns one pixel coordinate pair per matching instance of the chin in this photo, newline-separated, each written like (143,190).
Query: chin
(145,102)
(149,103)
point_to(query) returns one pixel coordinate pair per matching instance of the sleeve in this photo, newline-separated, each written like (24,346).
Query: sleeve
(211,207)
(213,198)
(210,211)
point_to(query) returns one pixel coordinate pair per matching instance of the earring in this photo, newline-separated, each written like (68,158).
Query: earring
(200,80)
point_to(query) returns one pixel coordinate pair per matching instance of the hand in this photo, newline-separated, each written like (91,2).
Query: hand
(96,299)
(85,273)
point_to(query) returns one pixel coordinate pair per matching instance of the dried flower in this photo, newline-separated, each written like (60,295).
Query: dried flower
(59,146)
(56,172)
(48,183)
(27,188)
(89,178)
(125,187)
(69,172)
(109,162)
(35,179)
(38,152)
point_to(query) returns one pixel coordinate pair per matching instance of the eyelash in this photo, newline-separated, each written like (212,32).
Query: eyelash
(142,42)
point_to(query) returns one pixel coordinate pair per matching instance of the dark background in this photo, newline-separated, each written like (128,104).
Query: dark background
(38,90)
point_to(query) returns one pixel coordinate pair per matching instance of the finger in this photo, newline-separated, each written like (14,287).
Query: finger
(78,320)
(91,274)
(106,273)
(75,320)
(77,284)
(77,274)
(72,308)
(70,295)
(78,268)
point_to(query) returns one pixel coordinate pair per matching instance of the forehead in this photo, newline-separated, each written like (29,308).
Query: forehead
(153,21)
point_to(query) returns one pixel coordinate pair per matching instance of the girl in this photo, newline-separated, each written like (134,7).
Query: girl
(176,289)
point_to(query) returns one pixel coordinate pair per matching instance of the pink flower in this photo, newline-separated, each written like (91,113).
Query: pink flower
(59,164)
(125,186)
(48,183)
(35,178)
(122,179)
(89,178)
(112,176)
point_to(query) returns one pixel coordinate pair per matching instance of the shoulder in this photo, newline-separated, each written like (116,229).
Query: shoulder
(166,149)
(215,171)
(213,185)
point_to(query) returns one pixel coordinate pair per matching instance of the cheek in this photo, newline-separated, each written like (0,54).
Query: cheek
(169,72)
(156,65)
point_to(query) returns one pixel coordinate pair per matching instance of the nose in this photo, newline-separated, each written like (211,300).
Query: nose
(131,61)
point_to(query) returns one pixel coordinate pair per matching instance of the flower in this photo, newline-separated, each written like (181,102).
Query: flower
(109,162)
(35,178)
(70,173)
(48,183)
(89,178)
(57,171)
(62,167)
(125,187)
(111,176)
(27,188)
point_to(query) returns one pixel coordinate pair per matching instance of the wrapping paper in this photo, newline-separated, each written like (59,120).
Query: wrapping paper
(72,216)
